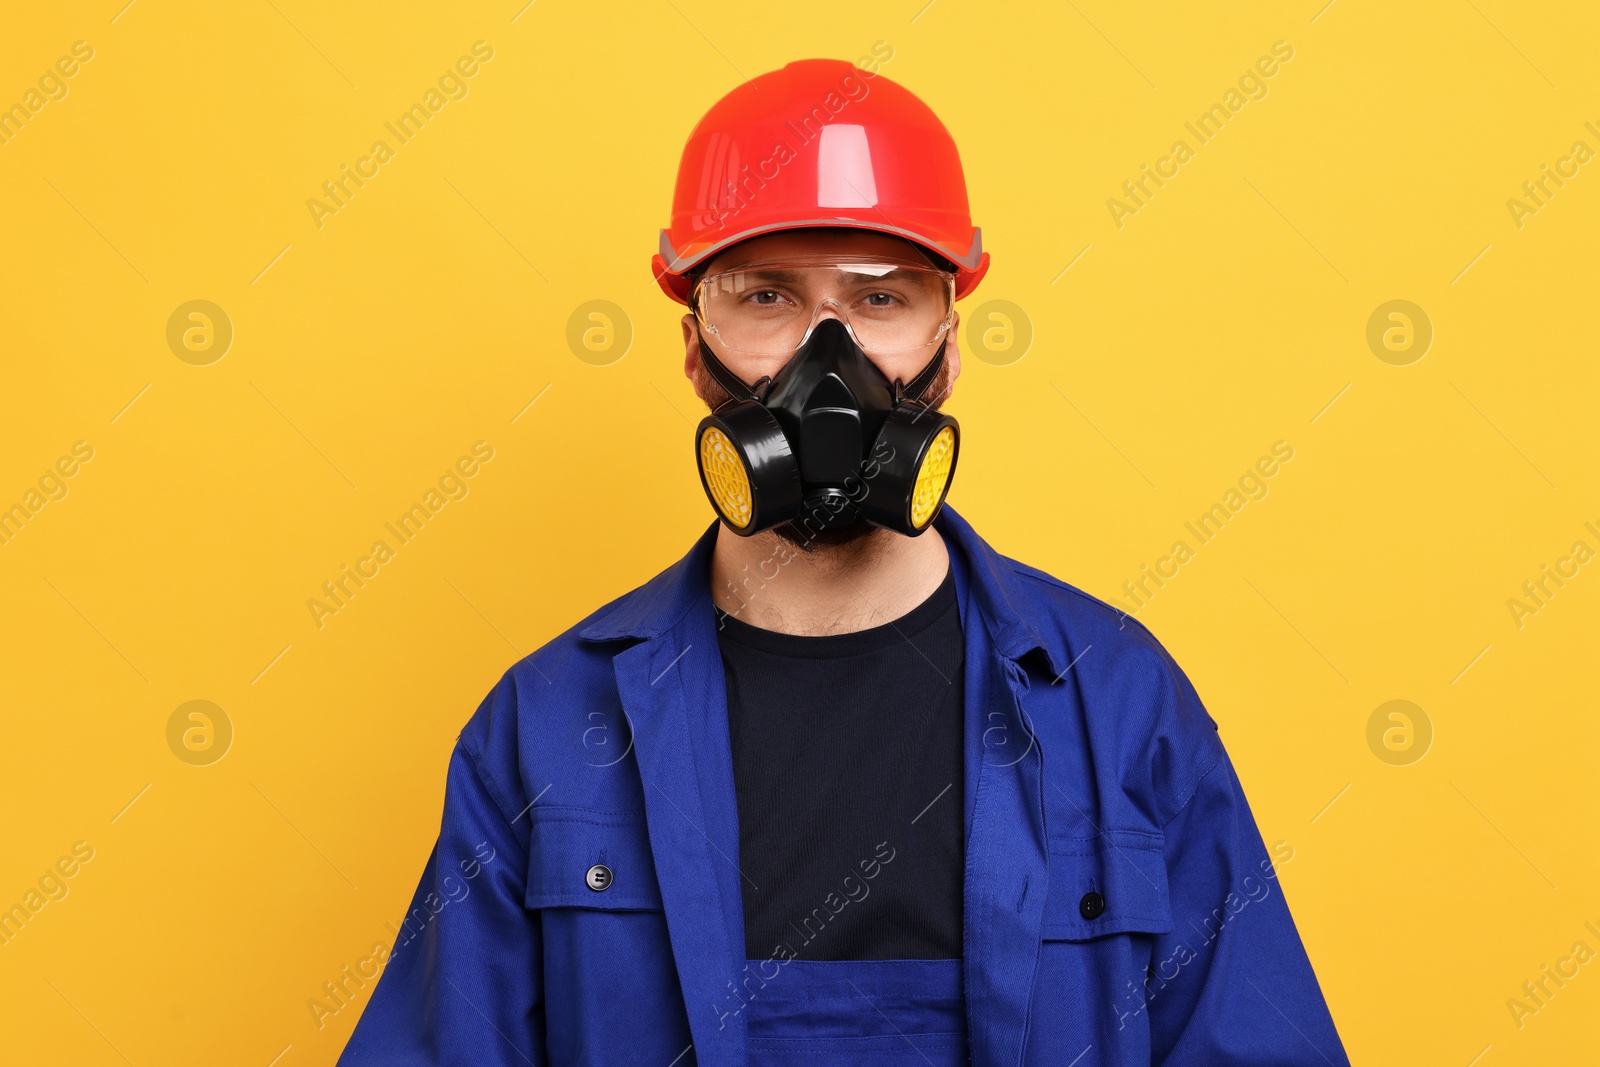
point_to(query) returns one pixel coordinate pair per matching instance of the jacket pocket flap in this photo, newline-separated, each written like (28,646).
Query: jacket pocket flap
(565,844)
(1112,883)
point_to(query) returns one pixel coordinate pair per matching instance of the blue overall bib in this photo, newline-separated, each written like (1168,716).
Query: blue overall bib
(875,1013)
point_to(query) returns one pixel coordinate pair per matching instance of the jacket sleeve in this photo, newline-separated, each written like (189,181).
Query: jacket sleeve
(1231,984)
(462,984)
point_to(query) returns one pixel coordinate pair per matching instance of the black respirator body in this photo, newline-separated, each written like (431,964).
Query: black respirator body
(826,442)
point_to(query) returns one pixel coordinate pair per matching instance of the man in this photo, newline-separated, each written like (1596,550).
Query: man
(843,785)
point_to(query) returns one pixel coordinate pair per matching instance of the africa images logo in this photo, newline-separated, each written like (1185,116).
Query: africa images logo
(452,85)
(1252,85)
(737,187)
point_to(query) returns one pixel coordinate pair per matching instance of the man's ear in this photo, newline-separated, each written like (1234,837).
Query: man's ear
(691,347)
(952,351)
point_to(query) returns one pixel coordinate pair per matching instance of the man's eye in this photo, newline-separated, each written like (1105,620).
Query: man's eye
(765,297)
(882,300)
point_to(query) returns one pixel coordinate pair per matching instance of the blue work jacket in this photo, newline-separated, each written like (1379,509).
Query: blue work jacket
(583,902)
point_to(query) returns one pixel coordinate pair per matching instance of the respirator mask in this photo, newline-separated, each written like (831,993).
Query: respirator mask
(828,440)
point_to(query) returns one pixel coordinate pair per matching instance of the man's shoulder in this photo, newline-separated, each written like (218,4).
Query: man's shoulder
(1135,707)
(566,678)
(1078,626)
(1086,612)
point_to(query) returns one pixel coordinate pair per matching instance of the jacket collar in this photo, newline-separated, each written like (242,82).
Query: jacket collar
(660,603)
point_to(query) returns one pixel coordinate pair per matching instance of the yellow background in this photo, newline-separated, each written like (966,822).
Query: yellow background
(427,314)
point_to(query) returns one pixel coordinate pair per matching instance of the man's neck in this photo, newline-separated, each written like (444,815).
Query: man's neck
(771,583)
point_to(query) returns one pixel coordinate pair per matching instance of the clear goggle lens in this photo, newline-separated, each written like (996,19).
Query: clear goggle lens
(891,308)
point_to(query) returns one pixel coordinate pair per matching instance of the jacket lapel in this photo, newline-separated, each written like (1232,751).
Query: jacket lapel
(1007,870)
(672,692)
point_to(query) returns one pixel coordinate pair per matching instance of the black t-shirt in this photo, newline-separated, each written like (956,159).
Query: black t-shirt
(847,767)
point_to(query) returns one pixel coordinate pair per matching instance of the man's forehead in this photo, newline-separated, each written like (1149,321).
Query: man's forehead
(812,242)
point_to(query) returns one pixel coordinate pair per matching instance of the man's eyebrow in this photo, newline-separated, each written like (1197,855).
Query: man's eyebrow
(773,274)
(789,274)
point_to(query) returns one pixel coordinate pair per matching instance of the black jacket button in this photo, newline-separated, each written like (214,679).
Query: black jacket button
(1092,905)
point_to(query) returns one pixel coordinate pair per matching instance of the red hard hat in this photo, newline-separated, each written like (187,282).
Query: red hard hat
(819,143)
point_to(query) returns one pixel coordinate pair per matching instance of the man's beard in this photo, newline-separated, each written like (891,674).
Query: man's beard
(801,535)
(811,536)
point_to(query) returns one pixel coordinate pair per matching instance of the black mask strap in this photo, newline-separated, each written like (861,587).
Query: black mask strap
(914,389)
(730,381)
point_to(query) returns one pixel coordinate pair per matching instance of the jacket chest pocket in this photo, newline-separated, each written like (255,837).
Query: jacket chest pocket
(1112,883)
(1106,907)
(611,992)
(591,859)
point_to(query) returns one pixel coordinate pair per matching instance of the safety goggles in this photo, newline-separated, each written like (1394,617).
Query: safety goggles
(890,307)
